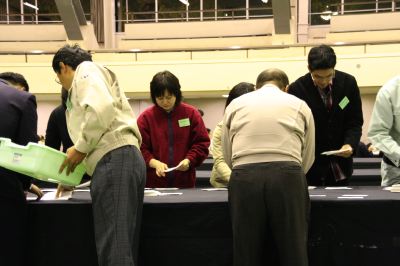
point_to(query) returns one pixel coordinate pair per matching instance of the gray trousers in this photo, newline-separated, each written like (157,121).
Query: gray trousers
(269,204)
(117,192)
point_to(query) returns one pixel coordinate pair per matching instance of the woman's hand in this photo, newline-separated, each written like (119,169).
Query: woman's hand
(160,167)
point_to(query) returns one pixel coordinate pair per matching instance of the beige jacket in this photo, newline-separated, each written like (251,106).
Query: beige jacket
(99,116)
(221,172)
(268,125)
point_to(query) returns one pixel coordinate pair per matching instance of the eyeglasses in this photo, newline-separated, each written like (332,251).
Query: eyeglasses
(328,77)
(57,81)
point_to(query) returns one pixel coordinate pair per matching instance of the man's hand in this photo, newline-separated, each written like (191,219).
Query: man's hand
(61,189)
(159,166)
(36,190)
(74,157)
(347,151)
(183,165)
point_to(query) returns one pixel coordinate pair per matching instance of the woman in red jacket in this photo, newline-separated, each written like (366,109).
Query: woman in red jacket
(173,135)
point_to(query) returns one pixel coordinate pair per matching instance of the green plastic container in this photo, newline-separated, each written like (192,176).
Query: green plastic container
(38,161)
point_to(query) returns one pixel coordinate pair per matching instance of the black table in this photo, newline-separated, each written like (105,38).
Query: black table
(194,229)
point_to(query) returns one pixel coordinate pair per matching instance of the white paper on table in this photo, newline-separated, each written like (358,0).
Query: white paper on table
(31,197)
(153,193)
(334,152)
(66,195)
(355,195)
(82,190)
(170,193)
(343,197)
(317,195)
(166,188)
(215,189)
(333,188)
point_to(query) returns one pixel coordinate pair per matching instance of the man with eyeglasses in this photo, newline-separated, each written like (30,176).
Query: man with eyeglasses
(334,99)
(103,128)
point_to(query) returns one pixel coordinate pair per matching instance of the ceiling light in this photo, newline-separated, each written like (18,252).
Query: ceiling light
(31,6)
(327,14)
(264,1)
(185,2)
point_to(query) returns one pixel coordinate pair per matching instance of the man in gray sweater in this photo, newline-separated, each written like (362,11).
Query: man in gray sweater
(268,140)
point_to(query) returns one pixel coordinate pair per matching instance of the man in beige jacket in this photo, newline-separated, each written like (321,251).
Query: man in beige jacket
(268,140)
(103,129)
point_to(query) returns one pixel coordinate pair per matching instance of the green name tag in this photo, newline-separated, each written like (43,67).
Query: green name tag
(184,122)
(344,102)
(68,104)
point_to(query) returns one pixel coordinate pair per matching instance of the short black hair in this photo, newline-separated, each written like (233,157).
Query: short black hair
(201,112)
(71,56)
(15,78)
(238,90)
(165,81)
(321,57)
(273,75)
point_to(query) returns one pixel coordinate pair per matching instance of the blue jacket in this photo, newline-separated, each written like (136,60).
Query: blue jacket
(19,123)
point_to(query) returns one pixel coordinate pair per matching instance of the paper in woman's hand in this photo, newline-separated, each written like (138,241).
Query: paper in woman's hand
(334,152)
(331,152)
(173,168)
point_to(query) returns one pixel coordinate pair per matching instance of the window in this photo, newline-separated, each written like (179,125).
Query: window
(319,8)
(228,9)
(259,9)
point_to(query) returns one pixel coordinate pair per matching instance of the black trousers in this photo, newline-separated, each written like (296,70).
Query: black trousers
(269,204)
(13,231)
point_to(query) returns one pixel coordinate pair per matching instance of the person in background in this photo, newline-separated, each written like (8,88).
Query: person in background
(19,123)
(57,135)
(173,135)
(103,129)
(221,172)
(334,99)
(384,130)
(56,132)
(19,82)
(268,141)
(15,80)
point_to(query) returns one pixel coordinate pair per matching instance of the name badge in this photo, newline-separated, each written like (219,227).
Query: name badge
(68,104)
(184,122)
(344,102)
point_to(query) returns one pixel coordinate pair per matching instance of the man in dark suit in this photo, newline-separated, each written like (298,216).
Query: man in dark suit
(334,99)
(19,123)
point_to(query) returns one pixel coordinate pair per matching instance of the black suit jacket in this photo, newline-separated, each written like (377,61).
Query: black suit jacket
(335,128)
(19,123)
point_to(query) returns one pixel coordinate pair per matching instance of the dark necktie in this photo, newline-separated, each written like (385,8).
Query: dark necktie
(328,99)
